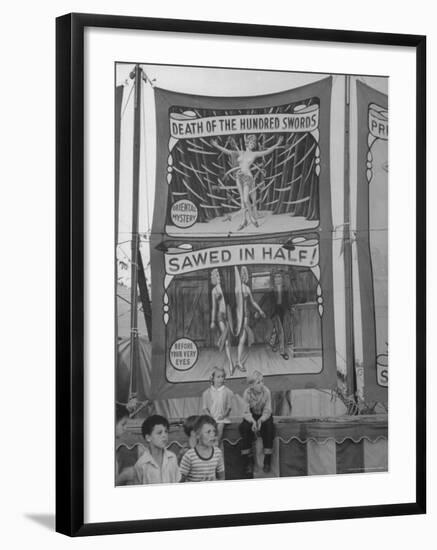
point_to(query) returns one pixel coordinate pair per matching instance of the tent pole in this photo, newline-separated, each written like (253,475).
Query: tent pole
(351,383)
(134,355)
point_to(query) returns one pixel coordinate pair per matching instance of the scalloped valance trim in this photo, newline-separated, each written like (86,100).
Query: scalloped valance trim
(233,442)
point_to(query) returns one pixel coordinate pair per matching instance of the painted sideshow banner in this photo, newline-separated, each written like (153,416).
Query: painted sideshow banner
(241,249)
(372,238)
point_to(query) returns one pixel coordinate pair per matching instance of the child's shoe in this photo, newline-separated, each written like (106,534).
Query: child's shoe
(267,463)
(248,466)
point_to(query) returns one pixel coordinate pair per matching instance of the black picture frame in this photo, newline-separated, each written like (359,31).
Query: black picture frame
(70,273)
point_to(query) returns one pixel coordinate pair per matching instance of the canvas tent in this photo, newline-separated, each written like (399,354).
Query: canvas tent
(340,279)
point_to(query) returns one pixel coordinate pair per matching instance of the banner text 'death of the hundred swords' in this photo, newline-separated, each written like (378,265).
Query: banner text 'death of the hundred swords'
(187,125)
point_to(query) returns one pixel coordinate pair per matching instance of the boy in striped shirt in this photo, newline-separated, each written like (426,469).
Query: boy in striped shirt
(205,461)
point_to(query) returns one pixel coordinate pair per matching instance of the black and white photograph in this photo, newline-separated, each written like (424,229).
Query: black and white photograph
(251,261)
(218,275)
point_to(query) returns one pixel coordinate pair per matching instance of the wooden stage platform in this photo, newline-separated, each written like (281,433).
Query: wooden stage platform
(303,446)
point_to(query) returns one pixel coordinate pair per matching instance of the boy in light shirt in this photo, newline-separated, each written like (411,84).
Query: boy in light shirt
(257,419)
(157,464)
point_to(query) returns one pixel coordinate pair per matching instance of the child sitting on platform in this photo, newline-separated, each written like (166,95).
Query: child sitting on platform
(156,464)
(217,400)
(257,419)
(205,461)
(188,428)
(124,458)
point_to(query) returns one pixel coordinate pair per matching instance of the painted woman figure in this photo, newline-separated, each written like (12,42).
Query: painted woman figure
(245,335)
(244,176)
(279,306)
(220,317)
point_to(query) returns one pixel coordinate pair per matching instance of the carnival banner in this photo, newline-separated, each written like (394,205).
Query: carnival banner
(372,238)
(241,243)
